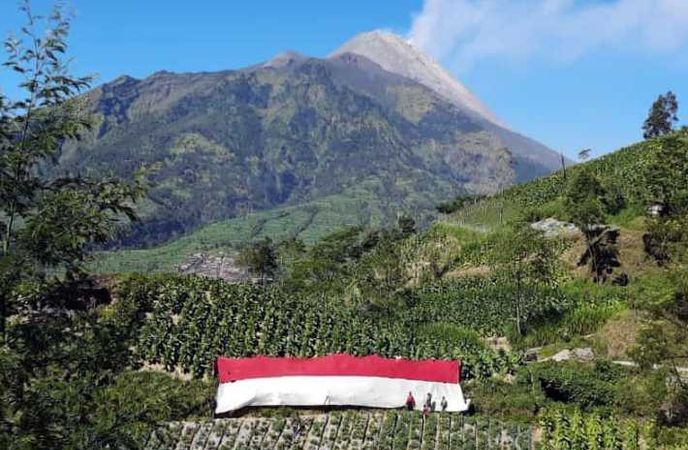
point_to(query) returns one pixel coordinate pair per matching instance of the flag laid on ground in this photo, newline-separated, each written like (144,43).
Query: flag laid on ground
(336,380)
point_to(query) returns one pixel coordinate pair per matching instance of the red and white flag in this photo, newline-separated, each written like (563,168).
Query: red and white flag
(337,380)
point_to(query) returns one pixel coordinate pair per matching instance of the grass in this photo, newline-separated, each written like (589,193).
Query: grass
(619,334)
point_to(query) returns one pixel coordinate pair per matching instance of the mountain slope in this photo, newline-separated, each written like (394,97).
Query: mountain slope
(286,132)
(398,56)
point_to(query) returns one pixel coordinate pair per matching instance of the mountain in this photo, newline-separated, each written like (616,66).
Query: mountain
(400,56)
(296,130)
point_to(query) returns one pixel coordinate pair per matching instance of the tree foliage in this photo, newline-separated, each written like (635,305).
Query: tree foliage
(586,203)
(667,236)
(458,203)
(663,342)
(48,220)
(663,114)
(59,354)
(261,259)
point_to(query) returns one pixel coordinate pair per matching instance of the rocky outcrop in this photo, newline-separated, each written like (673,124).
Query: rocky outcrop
(214,265)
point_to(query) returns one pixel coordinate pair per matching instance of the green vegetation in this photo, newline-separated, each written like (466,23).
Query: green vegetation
(260,259)
(308,222)
(662,116)
(355,430)
(192,320)
(445,291)
(573,430)
(622,174)
(228,144)
(125,361)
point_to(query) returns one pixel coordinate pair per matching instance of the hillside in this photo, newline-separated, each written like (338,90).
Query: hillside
(290,131)
(621,172)
(555,353)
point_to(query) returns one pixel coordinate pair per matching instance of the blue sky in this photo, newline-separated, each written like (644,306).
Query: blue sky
(570,73)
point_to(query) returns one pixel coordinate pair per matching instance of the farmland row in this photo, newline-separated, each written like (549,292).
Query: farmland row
(344,430)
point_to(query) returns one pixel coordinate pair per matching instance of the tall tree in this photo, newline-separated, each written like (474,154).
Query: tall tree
(56,360)
(663,343)
(48,222)
(662,116)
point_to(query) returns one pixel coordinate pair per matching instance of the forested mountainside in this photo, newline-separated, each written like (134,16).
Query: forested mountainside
(290,131)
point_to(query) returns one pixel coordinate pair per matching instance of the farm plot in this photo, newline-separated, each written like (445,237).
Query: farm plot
(347,430)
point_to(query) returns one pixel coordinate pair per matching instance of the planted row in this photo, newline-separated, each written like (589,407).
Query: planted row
(192,320)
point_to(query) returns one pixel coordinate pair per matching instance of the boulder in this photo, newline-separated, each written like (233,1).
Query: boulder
(563,355)
(583,354)
(552,227)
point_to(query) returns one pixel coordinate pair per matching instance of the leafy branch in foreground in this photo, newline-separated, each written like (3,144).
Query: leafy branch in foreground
(59,359)
(48,220)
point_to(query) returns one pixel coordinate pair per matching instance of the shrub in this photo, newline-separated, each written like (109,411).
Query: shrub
(588,386)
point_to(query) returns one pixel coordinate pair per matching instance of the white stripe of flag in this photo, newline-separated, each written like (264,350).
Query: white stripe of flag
(308,390)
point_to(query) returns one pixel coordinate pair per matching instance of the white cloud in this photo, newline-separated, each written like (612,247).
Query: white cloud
(466,31)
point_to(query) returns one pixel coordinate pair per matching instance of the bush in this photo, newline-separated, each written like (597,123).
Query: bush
(145,398)
(520,402)
(587,386)
(641,396)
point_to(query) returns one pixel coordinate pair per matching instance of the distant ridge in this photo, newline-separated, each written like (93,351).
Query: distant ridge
(374,130)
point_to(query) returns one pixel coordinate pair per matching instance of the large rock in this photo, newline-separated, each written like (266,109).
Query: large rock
(584,354)
(563,355)
(577,354)
(553,227)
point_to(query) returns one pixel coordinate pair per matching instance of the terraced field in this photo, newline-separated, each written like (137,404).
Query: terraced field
(359,430)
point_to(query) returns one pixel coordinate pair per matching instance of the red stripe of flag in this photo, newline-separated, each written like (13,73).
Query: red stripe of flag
(234,369)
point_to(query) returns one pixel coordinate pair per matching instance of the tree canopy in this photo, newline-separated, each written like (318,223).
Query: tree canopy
(662,116)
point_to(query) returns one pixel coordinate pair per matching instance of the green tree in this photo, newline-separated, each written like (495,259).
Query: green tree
(662,116)
(261,259)
(406,224)
(663,342)
(48,222)
(57,353)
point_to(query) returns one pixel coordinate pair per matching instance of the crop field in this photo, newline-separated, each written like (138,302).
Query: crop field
(344,430)
(192,320)
(620,172)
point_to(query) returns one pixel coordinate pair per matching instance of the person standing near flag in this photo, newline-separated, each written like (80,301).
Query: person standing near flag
(410,402)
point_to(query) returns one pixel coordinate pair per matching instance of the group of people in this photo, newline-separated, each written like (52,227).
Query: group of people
(428,406)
